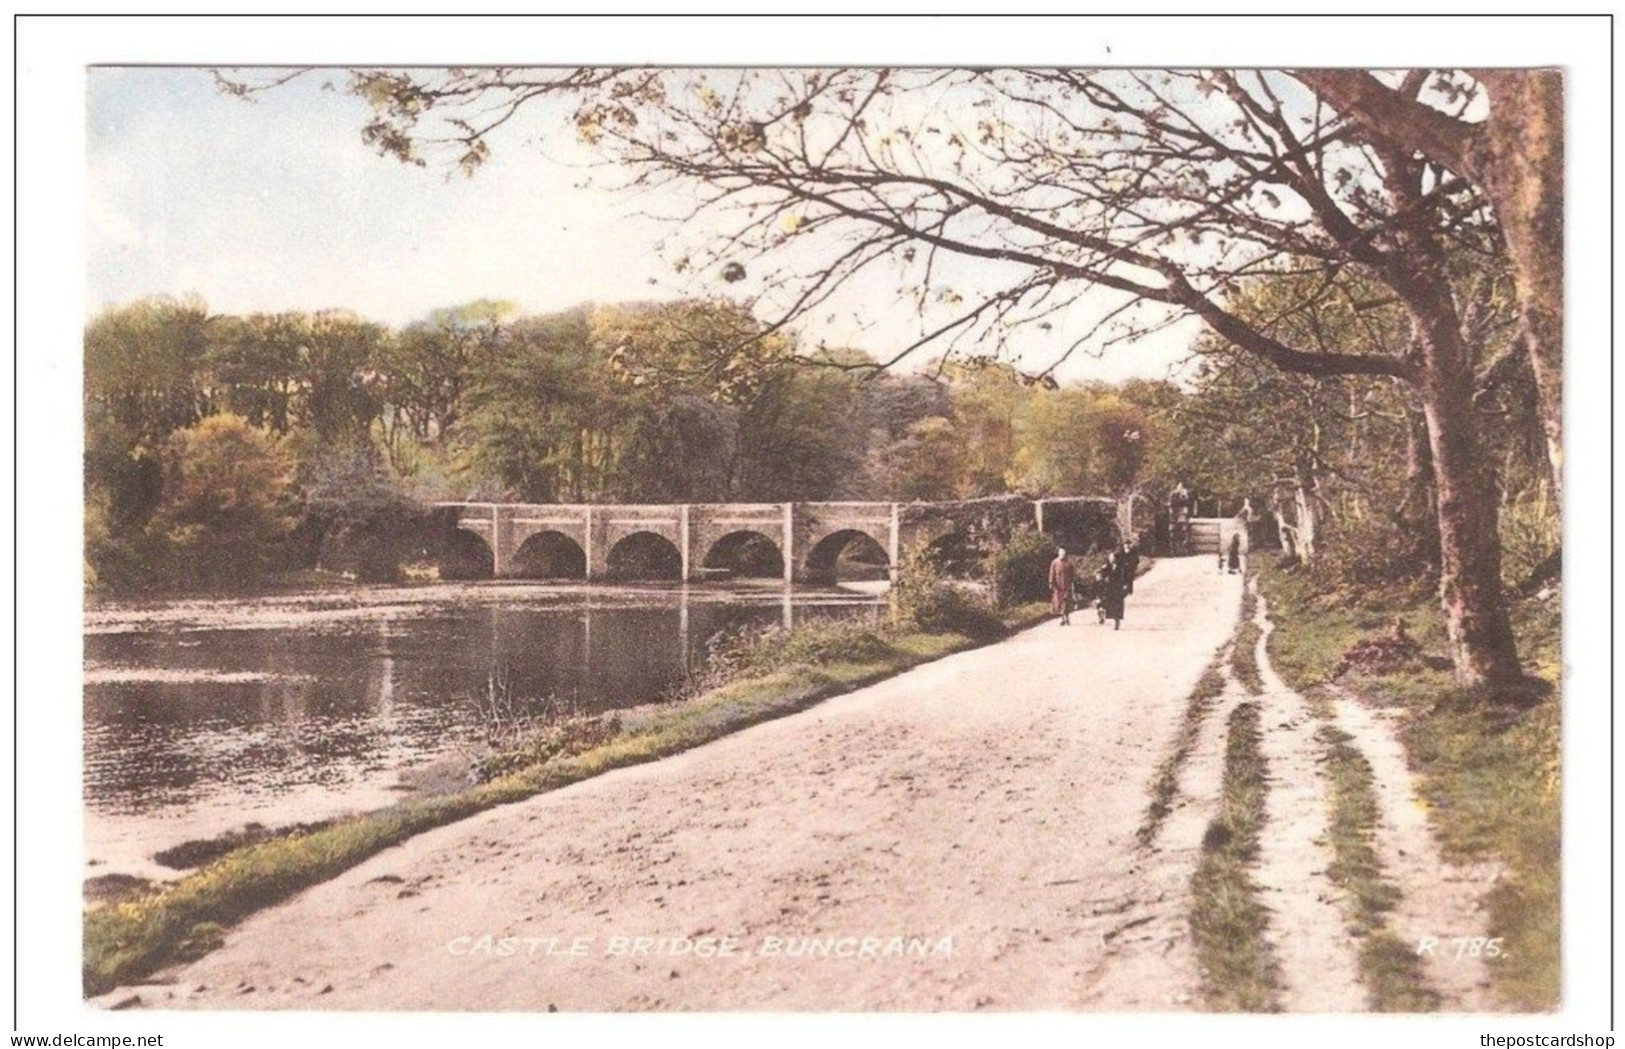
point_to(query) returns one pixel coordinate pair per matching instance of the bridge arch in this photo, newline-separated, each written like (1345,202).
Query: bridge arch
(746,553)
(549,555)
(849,553)
(466,555)
(644,555)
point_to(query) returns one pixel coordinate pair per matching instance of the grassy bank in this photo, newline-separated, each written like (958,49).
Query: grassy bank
(1239,971)
(1489,767)
(127,940)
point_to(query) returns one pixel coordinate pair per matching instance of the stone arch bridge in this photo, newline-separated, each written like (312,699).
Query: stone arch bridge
(808,538)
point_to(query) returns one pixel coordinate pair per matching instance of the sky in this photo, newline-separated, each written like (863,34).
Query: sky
(276,204)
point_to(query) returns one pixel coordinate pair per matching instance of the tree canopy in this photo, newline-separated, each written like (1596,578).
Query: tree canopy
(1103,204)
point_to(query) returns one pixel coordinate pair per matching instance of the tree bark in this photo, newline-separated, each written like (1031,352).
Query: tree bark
(1482,646)
(1521,170)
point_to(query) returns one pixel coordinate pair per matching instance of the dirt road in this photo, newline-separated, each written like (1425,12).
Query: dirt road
(976,814)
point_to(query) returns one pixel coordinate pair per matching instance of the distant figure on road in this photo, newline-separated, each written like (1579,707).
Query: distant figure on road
(1060,586)
(1109,587)
(1179,517)
(1234,557)
(1128,566)
(1179,503)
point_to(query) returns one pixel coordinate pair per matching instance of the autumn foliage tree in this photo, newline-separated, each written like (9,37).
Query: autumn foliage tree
(227,500)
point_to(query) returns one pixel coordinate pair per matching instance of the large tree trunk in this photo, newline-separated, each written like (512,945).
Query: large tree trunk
(1520,165)
(1481,641)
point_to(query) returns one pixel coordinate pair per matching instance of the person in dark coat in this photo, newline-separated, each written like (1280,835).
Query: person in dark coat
(1109,588)
(1128,566)
(1061,577)
(1234,556)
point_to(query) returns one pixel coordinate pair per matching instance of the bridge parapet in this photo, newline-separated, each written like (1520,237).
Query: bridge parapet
(809,536)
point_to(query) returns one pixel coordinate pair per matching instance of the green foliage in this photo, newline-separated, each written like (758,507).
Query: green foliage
(1018,570)
(923,598)
(1121,432)
(693,401)
(146,376)
(146,369)
(707,346)
(1058,452)
(759,652)
(928,462)
(543,417)
(683,401)
(989,398)
(1370,554)
(227,500)
(1531,532)
(1088,440)
(801,436)
(312,370)
(424,368)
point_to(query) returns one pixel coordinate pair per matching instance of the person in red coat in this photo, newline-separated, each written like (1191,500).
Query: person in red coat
(1060,586)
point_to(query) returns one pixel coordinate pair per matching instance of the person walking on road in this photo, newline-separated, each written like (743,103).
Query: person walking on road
(1109,588)
(1128,566)
(1060,586)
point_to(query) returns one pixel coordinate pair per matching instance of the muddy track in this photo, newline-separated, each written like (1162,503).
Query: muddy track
(1318,963)
(1434,900)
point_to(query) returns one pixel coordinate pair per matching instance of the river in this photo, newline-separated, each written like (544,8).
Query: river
(204,717)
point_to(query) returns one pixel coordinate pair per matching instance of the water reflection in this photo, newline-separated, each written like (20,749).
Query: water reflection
(182,716)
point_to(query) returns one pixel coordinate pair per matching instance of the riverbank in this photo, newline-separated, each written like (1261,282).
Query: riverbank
(206,718)
(1489,766)
(128,939)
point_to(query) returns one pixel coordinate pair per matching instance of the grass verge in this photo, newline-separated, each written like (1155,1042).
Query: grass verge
(1489,769)
(1239,970)
(1165,783)
(1390,970)
(1244,659)
(127,940)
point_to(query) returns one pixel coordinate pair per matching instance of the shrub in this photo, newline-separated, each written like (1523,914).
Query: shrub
(567,736)
(756,651)
(1019,569)
(1531,530)
(1365,555)
(923,599)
